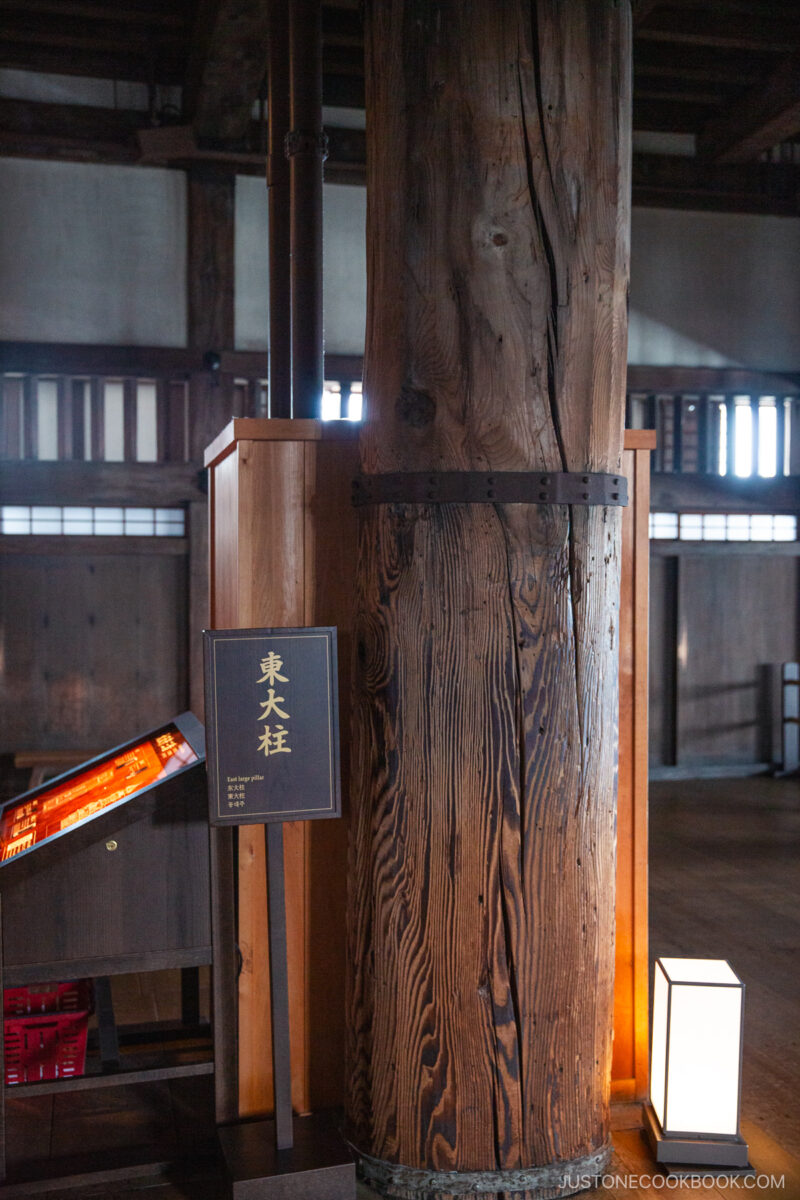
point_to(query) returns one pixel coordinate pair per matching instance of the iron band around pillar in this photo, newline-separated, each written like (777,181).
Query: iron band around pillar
(305,141)
(491,487)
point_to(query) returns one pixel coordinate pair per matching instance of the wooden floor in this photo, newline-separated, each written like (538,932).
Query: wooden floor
(724,883)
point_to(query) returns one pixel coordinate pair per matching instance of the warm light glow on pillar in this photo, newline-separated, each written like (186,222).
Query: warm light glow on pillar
(696,1048)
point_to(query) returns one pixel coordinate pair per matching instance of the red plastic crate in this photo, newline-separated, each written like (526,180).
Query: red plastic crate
(48,1046)
(75,996)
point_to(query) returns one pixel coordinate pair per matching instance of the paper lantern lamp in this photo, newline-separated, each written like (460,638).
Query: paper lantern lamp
(696,1064)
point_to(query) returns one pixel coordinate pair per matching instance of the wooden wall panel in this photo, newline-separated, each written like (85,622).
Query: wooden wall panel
(93,647)
(737,613)
(663,583)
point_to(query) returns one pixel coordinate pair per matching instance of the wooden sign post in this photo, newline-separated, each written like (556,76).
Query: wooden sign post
(272,728)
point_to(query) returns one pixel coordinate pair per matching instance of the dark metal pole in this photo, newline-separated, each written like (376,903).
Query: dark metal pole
(279,988)
(305,148)
(280,329)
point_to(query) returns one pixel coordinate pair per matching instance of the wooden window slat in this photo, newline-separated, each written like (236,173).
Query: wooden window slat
(129,419)
(98,438)
(64,417)
(78,418)
(30,423)
(11,419)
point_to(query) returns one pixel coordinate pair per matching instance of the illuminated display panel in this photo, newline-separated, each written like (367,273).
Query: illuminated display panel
(27,823)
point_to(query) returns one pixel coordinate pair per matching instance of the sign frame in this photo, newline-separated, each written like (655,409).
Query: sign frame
(221,649)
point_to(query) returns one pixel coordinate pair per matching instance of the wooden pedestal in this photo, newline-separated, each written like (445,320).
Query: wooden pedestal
(282,544)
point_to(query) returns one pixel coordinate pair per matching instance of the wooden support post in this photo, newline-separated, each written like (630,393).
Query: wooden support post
(306,157)
(484,742)
(210,303)
(280,326)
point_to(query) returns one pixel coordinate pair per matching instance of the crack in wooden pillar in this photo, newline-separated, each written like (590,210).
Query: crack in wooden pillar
(481,911)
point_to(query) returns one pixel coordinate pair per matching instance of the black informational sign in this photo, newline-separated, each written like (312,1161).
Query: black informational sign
(272,725)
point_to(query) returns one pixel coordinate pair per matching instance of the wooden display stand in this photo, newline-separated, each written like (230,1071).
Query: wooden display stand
(283,551)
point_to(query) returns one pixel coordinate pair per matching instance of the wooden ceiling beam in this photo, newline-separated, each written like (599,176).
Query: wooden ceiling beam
(226,67)
(671,181)
(87,134)
(642,10)
(679,73)
(164,69)
(134,14)
(670,116)
(765,116)
(714,28)
(90,36)
(679,92)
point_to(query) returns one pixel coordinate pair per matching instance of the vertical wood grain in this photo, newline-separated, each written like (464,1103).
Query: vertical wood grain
(92,659)
(485,713)
(11,421)
(330,551)
(282,553)
(270,582)
(630,1058)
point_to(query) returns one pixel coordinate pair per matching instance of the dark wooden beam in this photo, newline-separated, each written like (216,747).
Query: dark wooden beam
(670,116)
(83,133)
(711,380)
(146,362)
(210,272)
(765,116)
(153,14)
(71,125)
(679,90)
(210,292)
(125,64)
(106,35)
(227,64)
(666,548)
(684,492)
(670,181)
(711,26)
(164,484)
(641,11)
(57,358)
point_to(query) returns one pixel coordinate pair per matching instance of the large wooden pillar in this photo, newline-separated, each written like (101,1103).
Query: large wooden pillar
(485,722)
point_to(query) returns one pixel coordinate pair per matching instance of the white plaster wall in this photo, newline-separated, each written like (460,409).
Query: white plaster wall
(251,270)
(714,289)
(92,253)
(98,254)
(344,266)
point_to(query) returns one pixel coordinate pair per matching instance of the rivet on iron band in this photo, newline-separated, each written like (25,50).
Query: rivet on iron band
(501,487)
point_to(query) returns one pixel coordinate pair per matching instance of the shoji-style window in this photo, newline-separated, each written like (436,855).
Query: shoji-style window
(723,527)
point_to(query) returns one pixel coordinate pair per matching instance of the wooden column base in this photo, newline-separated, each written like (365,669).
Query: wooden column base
(317,1167)
(528,1183)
